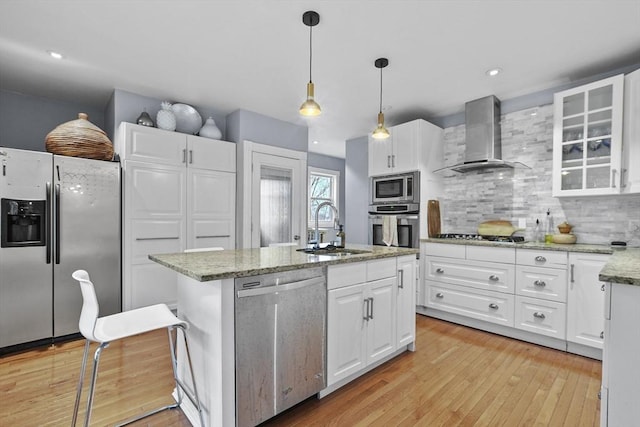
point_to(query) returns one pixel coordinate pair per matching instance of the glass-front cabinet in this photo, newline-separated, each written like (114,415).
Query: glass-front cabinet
(587,139)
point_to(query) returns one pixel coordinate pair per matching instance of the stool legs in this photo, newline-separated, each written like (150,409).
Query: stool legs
(180,387)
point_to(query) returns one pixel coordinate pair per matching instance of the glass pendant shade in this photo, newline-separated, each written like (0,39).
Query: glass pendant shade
(380,132)
(310,107)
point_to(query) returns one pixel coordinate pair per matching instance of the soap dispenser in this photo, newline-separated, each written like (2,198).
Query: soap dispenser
(548,228)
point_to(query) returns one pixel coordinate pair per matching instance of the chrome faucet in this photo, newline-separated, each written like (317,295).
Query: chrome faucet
(317,234)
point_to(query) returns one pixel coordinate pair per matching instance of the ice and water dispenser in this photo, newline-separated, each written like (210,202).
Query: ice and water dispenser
(23,223)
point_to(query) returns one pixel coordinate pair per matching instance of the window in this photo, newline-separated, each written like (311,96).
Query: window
(323,187)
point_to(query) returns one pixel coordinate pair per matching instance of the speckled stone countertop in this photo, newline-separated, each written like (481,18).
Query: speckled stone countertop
(594,249)
(623,267)
(216,265)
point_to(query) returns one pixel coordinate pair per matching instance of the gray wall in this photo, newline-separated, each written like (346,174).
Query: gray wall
(336,164)
(126,106)
(357,190)
(26,120)
(243,125)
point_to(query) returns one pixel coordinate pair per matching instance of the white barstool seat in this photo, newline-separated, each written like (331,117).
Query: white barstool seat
(104,330)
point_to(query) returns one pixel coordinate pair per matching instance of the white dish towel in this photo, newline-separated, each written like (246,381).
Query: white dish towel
(390,230)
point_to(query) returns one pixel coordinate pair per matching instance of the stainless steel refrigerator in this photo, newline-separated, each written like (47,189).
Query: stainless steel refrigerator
(58,214)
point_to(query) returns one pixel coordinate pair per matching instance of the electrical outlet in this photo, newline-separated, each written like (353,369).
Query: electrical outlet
(522,223)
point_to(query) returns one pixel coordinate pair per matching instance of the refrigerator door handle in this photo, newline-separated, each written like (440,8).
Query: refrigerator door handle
(48,223)
(57,220)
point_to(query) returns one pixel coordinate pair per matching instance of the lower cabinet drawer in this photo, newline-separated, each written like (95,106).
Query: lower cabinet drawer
(540,282)
(541,317)
(489,306)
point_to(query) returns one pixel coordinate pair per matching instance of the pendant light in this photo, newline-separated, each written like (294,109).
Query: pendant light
(381,132)
(310,107)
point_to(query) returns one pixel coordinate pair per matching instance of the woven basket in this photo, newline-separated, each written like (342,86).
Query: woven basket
(80,138)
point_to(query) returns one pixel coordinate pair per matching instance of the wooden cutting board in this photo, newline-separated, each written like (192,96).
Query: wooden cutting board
(433,217)
(497,228)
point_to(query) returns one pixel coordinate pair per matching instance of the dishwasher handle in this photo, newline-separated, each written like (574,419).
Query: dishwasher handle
(280,288)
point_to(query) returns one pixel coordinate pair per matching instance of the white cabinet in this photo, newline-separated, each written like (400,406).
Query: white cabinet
(409,148)
(370,313)
(541,292)
(631,134)
(406,300)
(587,139)
(178,193)
(585,314)
(620,373)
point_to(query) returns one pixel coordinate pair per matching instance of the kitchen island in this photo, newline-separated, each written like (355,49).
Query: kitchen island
(206,299)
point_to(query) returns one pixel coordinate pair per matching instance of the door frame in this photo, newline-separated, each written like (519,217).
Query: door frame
(245,183)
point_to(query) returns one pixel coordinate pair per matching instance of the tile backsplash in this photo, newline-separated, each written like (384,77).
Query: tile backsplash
(521,193)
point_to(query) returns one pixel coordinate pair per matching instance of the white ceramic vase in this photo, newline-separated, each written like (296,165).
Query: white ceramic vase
(210,130)
(165,118)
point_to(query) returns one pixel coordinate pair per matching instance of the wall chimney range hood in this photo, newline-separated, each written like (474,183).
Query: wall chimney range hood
(483,145)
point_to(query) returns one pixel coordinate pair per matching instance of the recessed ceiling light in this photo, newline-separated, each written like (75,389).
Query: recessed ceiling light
(494,72)
(55,55)
(315,142)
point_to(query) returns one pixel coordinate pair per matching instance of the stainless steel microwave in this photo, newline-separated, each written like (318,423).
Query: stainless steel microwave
(394,189)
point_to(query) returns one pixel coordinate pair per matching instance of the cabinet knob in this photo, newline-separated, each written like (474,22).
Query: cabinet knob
(602,335)
(540,283)
(439,295)
(439,270)
(494,278)
(493,306)
(602,287)
(540,258)
(538,315)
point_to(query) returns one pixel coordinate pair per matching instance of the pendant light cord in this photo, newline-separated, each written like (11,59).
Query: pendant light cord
(310,50)
(381,89)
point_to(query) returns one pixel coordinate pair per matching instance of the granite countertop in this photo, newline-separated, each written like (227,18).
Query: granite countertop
(623,267)
(216,265)
(594,249)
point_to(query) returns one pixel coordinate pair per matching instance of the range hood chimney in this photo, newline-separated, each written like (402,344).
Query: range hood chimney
(483,145)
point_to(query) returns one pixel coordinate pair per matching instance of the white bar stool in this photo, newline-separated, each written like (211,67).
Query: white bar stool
(104,330)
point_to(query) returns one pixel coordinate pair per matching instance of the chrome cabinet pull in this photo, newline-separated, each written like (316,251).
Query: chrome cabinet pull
(393,160)
(213,236)
(602,287)
(156,238)
(613,178)
(493,306)
(371,307)
(439,270)
(401,281)
(439,295)
(388,161)
(494,278)
(538,315)
(540,283)
(540,258)
(602,334)
(366,309)
(623,183)
(190,156)
(573,279)
(184,155)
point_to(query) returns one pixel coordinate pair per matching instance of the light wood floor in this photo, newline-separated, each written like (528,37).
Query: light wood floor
(457,376)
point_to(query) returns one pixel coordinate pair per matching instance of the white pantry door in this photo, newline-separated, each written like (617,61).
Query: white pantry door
(278,205)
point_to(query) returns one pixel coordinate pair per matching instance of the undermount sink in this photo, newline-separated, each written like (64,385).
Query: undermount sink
(334,252)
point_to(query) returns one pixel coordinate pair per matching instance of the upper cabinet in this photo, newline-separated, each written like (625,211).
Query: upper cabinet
(409,148)
(631,134)
(591,156)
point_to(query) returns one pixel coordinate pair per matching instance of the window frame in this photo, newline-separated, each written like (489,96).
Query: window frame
(335,176)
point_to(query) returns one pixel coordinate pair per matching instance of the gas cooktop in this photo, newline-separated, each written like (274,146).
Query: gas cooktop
(460,236)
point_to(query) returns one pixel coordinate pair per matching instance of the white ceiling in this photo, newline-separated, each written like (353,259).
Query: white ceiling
(253,55)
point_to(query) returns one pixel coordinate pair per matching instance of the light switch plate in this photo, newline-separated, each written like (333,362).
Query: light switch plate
(522,223)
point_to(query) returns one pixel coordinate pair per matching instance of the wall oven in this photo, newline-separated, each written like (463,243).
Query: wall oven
(407,227)
(395,189)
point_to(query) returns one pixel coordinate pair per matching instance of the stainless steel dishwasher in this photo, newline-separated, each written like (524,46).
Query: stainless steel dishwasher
(280,325)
